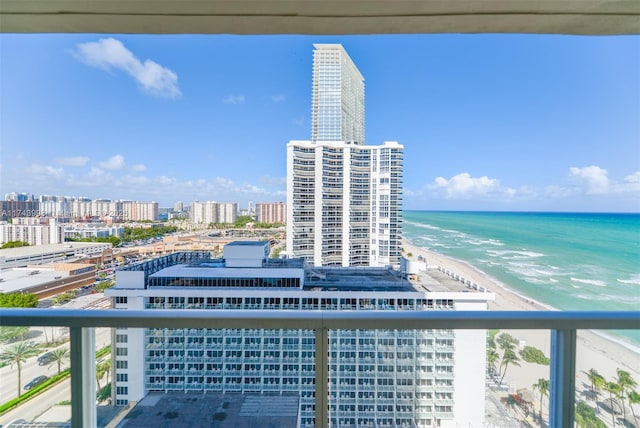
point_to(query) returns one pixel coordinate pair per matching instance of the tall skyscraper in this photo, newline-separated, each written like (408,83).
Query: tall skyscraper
(344,198)
(337,111)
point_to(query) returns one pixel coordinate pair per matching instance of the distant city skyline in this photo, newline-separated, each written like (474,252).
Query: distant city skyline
(488,122)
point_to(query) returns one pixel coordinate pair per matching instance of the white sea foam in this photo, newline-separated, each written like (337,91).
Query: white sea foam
(634,279)
(597,282)
(478,241)
(514,254)
(425,226)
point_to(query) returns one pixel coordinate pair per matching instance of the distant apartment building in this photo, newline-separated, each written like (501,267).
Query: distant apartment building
(33,230)
(19,197)
(392,378)
(13,208)
(178,207)
(92,230)
(140,211)
(344,199)
(271,212)
(214,212)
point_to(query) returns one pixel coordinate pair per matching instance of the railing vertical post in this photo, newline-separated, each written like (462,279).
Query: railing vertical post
(83,378)
(563,378)
(322,377)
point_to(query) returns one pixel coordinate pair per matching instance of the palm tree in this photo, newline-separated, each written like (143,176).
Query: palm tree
(613,389)
(103,369)
(625,382)
(17,355)
(58,355)
(509,357)
(597,382)
(634,398)
(543,387)
(492,359)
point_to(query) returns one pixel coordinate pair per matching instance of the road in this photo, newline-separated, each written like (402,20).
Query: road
(31,369)
(40,404)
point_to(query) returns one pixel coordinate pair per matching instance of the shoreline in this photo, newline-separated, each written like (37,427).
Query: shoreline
(595,349)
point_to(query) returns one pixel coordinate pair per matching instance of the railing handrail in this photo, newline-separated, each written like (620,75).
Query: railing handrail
(562,324)
(321,318)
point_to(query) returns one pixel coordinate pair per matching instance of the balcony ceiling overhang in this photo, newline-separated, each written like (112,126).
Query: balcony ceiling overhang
(585,17)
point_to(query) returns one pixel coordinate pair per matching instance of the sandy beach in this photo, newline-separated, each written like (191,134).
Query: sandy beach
(593,350)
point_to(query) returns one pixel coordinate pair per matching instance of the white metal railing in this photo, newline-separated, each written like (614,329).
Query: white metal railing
(563,326)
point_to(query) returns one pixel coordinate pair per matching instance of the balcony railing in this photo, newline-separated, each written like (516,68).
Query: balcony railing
(563,326)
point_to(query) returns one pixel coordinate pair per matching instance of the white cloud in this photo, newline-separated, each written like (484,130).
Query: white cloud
(273,181)
(95,172)
(139,167)
(592,179)
(463,186)
(234,99)
(632,182)
(110,54)
(278,98)
(38,170)
(73,161)
(114,162)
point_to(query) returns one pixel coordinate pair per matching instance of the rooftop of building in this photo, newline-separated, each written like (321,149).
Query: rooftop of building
(246,244)
(331,278)
(215,409)
(36,250)
(12,280)
(214,268)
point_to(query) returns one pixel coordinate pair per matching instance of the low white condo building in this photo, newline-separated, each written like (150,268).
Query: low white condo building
(377,377)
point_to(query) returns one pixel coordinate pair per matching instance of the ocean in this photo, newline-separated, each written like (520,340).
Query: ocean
(570,261)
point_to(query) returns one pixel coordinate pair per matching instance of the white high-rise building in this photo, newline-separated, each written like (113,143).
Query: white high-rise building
(344,203)
(394,378)
(344,199)
(337,106)
(33,230)
(214,212)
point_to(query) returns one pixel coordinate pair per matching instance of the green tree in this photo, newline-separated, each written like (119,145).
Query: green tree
(597,381)
(104,393)
(18,300)
(17,355)
(634,398)
(534,355)
(14,244)
(492,359)
(614,390)
(103,285)
(506,341)
(9,334)
(58,356)
(509,357)
(625,382)
(543,388)
(103,369)
(586,417)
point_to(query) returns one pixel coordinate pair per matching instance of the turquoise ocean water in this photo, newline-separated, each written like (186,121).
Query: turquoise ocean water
(571,261)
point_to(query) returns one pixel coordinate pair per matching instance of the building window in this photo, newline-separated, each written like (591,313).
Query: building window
(121,338)
(122,390)
(121,299)
(122,377)
(122,351)
(122,364)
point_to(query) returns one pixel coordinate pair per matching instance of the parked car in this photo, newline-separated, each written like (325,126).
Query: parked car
(45,359)
(35,382)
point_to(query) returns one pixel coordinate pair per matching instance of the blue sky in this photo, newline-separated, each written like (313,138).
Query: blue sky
(488,122)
